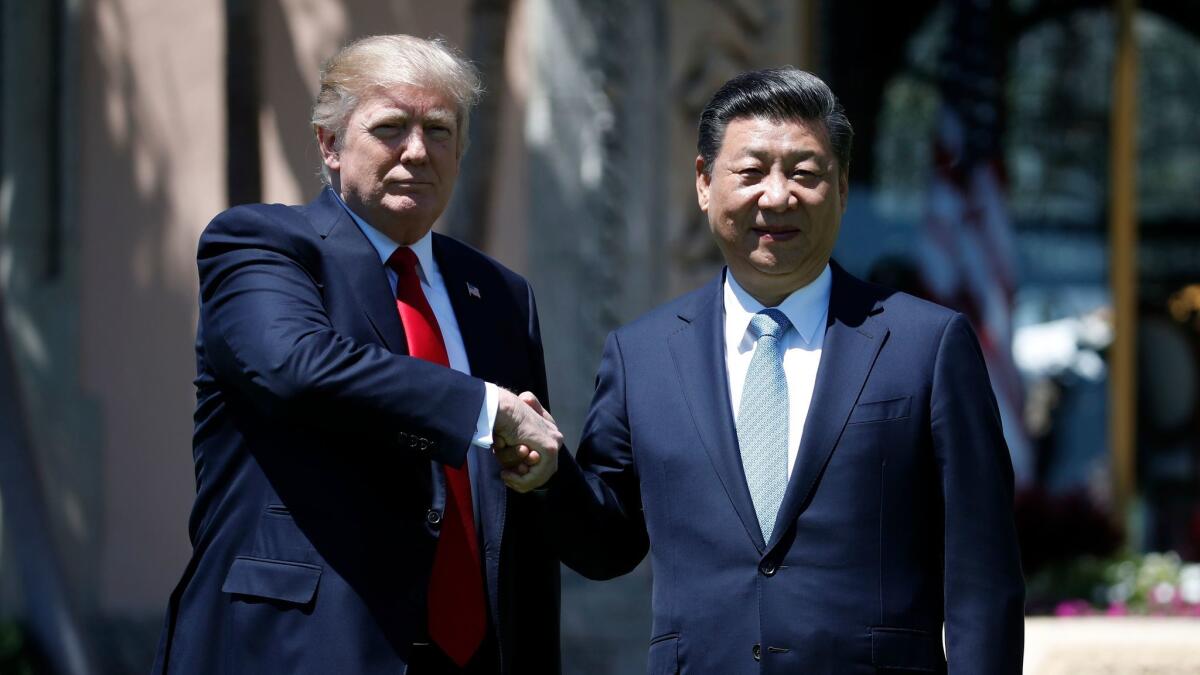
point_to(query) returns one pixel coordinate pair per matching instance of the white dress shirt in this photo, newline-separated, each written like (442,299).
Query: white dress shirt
(807,309)
(439,300)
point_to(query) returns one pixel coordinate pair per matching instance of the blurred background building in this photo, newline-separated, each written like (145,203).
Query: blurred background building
(1034,163)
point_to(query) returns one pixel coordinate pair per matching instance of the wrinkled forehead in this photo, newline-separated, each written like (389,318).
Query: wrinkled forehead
(408,100)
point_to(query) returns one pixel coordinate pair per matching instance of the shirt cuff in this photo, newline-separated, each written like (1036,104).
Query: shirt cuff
(487,416)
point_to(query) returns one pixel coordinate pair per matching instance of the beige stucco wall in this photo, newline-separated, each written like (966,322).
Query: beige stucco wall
(150,177)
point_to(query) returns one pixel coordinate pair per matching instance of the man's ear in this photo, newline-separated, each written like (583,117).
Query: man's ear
(327,142)
(702,181)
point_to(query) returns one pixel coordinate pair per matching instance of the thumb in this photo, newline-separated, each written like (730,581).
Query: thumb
(529,399)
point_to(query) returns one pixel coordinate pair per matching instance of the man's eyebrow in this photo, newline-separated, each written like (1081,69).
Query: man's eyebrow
(440,115)
(388,117)
(761,152)
(394,115)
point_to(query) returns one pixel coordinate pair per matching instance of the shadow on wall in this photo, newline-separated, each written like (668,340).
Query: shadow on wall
(149,179)
(289,88)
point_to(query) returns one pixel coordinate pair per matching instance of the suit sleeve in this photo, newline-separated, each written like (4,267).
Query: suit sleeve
(983,585)
(595,501)
(265,329)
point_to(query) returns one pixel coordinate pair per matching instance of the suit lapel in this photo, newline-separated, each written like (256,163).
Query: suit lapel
(361,265)
(698,350)
(852,342)
(470,310)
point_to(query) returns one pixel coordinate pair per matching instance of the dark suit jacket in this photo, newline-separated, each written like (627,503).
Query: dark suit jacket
(897,516)
(317,448)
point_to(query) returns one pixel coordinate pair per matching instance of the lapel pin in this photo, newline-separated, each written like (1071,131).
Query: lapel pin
(473,292)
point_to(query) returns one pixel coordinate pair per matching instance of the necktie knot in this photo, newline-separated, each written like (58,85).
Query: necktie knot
(403,261)
(769,323)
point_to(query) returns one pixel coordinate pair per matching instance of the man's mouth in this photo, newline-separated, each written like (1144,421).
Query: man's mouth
(409,183)
(776,234)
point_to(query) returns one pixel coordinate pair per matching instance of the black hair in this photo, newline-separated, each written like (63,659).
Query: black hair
(777,94)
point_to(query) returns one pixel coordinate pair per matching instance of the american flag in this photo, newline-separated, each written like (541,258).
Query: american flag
(968,257)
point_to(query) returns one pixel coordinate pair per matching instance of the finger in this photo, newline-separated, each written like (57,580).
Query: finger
(524,456)
(516,482)
(509,456)
(534,478)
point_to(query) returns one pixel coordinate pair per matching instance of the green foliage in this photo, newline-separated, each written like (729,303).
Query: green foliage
(1145,584)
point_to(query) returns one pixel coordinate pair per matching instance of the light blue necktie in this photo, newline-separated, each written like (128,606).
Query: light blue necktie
(762,420)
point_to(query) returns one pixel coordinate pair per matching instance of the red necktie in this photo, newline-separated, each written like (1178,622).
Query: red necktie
(457,611)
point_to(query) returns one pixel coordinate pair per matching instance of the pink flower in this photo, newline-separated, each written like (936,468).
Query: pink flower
(1073,608)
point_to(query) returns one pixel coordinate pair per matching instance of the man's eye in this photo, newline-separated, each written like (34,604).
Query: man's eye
(438,132)
(385,130)
(750,172)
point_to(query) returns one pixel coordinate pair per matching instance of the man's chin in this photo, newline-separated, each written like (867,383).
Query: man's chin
(399,202)
(773,265)
(783,276)
(404,224)
(406,208)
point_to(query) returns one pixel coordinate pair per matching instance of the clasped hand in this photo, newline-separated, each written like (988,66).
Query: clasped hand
(526,441)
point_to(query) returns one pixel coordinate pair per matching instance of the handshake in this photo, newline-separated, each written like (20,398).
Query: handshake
(526,441)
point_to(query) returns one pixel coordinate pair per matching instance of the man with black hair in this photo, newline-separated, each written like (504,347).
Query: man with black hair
(815,464)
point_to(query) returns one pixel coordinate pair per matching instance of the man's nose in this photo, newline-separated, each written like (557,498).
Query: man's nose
(776,195)
(414,151)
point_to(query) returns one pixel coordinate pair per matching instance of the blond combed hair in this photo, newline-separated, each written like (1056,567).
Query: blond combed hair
(383,61)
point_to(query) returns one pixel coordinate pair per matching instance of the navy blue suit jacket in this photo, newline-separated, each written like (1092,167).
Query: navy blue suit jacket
(317,448)
(897,516)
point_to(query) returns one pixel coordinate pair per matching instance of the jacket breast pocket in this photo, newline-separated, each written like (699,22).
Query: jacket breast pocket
(906,649)
(880,411)
(663,658)
(281,581)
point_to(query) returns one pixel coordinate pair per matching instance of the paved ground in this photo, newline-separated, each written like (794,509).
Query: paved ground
(1112,646)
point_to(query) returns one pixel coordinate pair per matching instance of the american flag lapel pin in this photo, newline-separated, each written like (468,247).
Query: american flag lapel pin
(473,291)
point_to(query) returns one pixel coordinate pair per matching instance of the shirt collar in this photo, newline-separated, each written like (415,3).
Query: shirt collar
(807,309)
(385,247)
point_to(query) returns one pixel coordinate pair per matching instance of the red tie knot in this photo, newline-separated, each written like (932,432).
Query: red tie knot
(403,260)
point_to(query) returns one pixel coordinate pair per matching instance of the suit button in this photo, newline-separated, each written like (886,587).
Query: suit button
(433,517)
(756,651)
(768,569)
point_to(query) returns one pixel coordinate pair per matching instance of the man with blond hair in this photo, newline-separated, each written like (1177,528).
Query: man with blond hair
(354,373)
